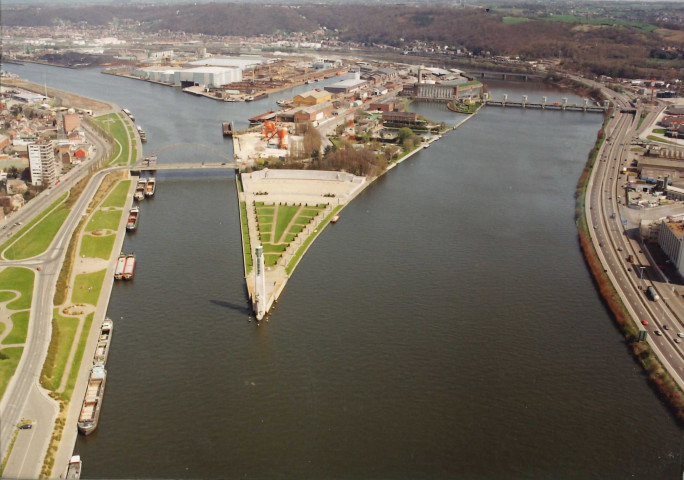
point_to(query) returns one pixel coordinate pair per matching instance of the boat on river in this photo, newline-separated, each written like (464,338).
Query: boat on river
(133,217)
(227,129)
(151,186)
(118,270)
(129,267)
(92,403)
(74,468)
(102,349)
(140,189)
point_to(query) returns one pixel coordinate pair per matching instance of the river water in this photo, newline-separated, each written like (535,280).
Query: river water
(446,327)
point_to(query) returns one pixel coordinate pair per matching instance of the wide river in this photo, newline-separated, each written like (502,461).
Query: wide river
(446,327)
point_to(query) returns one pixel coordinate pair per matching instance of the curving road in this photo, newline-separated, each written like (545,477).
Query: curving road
(630,276)
(24,397)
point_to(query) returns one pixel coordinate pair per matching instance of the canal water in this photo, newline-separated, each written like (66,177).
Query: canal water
(446,327)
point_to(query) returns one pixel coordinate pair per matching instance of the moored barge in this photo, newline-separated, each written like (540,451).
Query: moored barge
(120,263)
(133,217)
(150,187)
(92,403)
(102,349)
(129,267)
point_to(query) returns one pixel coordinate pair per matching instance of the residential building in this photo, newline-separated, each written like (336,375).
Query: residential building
(42,163)
(670,240)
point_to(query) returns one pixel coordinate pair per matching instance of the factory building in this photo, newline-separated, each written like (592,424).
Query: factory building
(42,163)
(203,76)
(207,76)
(312,97)
(347,86)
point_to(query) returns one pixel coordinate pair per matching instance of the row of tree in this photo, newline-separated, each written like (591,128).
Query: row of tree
(589,46)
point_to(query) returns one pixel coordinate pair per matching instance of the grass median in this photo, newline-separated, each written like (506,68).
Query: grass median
(20,279)
(63,332)
(36,236)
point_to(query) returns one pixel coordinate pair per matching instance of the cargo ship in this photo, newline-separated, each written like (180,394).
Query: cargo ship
(120,263)
(140,189)
(227,128)
(151,186)
(102,349)
(129,267)
(128,112)
(133,217)
(92,403)
(141,132)
(74,468)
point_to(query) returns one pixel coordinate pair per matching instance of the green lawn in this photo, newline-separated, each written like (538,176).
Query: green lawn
(78,357)
(5,296)
(658,139)
(117,197)
(9,359)
(271,248)
(300,251)
(514,20)
(20,321)
(285,215)
(97,247)
(660,131)
(246,247)
(600,21)
(21,279)
(38,239)
(270,259)
(114,124)
(63,331)
(34,221)
(104,219)
(87,287)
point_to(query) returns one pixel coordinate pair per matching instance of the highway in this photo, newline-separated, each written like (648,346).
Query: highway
(24,397)
(614,246)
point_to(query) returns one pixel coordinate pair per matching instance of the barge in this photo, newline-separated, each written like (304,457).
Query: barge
(140,189)
(227,129)
(128,112)
(120,264)
(141,132)
(74,468)
(92,403)
(133,217)
(129,267)
(103,341)
(150,187)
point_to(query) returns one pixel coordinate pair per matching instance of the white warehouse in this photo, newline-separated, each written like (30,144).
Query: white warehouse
(207,76)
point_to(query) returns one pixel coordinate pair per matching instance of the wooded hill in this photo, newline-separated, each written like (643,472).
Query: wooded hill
(617,50)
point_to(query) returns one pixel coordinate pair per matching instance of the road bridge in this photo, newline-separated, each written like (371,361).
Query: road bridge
(140,167)
(505,75)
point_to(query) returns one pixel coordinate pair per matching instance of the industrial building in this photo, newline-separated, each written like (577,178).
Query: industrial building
(347,86)
(203,76)
(207,76)
(312,97)
(42,163)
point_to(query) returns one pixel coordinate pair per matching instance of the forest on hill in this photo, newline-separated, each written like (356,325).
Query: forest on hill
(619,49)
